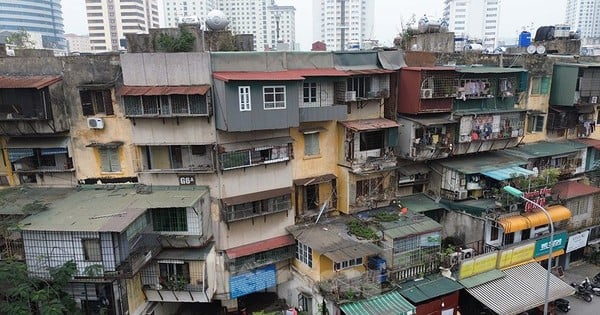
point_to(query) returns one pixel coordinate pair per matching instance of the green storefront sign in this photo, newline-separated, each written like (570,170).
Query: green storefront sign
(543,244)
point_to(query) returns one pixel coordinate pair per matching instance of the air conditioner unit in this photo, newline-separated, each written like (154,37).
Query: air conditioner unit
(350,96)
(426,93)
(455,258)
(513,207)
(594,99)
(406,179)
(460,195)
(95,123)
(468,253)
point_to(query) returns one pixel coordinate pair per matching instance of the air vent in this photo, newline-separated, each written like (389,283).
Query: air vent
(426,93)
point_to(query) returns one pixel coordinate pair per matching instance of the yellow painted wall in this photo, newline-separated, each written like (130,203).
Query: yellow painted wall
(314,272)
(5,167)
(538,103)
(196,272)
(86,159)
(135,294)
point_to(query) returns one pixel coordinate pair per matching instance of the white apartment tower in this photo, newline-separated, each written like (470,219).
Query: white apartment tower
(174,10)
(583,15)
(109,21)
(358,22)
(282,26)
(474,20)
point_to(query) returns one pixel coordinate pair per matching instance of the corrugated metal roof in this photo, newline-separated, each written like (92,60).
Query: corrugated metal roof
(109,208)
(391,59)
(163,90)
(590,142)
(508,173)
(369,124)
(257,76)
(264,245)
(390,303)
(467,69)
(419,203)
(265,194)
(546,148)
(482,162)
(369,71)
(429,287)
(27,82)
(35,143)
(412,225)
(314,180)
(332,72)
(442,68)
(331,238)
(186,254)
(482,278)
(430,120)
(572,189)
(522,289)
(12,200)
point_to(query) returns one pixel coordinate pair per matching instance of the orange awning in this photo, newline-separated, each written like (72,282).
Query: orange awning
(557,213)
(514,223)
(526,221)
(554,254)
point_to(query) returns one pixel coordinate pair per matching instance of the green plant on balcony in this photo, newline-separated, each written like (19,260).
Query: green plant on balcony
(175,283)
(387,216)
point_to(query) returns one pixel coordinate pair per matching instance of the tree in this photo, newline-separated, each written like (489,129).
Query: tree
(21,39)
(182,43)
(22,295)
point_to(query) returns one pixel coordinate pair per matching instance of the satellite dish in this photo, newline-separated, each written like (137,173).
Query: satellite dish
(540,49)
(531,49)
(216,20)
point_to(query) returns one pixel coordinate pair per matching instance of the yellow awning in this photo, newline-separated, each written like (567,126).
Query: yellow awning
(533,219)
(557,213)
(514,223)
(555,254)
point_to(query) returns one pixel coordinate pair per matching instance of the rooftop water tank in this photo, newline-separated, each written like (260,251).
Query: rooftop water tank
(524,39)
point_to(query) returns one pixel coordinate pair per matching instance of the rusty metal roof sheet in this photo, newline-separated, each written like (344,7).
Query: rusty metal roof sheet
(163,90)
(440,68)
(369,71)
(369,124)
(262,246)
(27,82)
(258,76)
(266,194)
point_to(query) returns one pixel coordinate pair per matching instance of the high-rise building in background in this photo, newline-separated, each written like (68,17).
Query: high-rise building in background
(583,15)
(357,24)
(473,20)
(271,25)
(109,21)
(78,43)
(42,19)
(176,11)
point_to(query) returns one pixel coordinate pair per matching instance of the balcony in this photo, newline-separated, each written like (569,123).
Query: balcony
(181,281)
(351,284)
(310,113)
(135,262)
(373,164)
(256,208)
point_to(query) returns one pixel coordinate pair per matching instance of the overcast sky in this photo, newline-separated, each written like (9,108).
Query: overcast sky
(389,14)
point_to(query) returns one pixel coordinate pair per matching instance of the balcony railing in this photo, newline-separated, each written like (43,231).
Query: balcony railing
(135,262)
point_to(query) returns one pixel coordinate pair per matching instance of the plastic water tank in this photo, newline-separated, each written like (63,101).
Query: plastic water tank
(524,39)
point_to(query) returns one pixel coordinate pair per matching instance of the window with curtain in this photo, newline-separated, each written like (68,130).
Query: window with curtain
(311,143)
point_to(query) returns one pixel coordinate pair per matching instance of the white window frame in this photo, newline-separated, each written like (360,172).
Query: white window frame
(304,254)
(274,104)
(345,264)
(307,92)
(244,98)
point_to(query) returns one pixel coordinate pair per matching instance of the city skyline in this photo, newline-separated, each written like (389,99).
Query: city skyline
(514,16)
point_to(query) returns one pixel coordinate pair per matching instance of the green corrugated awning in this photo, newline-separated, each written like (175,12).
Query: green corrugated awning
(546,148)
(390,303)
(482,162)
(419,203)
(424,224)
(489,70)
(429,288)
(482,278)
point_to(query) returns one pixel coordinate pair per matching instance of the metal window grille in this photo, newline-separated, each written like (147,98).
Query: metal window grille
(310,92)
(259,207)
(91,249)
(261,259)
(169,219)
(360,84)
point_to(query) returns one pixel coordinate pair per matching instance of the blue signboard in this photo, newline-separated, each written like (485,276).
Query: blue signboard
(543,244)
(254,281)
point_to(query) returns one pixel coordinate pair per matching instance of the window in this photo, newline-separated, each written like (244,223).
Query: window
(347,263)
(91,249)
(310,92)
(305,303)
(256,156)
(95,102)
(166,105)
(371,140)
(361,85)
(311,143)
(173,274)
(109,159)
(169,219)
(540,85)
(367,187)
(535,123)
(304,254)
(274,97)
(244,98)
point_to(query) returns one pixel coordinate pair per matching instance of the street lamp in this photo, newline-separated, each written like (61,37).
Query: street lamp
(519,194)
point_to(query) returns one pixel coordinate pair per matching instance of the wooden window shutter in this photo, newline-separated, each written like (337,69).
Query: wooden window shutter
(87,106)
(108,104)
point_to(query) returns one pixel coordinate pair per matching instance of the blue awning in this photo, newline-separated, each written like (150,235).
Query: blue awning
(508,173)
(17,154)
(52,151)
